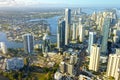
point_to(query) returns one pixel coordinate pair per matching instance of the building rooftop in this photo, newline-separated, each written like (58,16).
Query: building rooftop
(46,37)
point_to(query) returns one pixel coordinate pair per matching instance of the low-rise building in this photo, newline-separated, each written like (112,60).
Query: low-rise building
(83,77)
(58,76)
(2,63)
(14,64)
(103,59)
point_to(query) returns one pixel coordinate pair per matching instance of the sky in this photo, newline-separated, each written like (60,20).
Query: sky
(59,3)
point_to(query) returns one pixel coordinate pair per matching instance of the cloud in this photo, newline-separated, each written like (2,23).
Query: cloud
(7,2)
(13,3)
(3,0)
(29,3)
(24,3)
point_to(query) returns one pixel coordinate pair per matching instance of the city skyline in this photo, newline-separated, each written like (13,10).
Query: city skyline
(59,3)
(59,40)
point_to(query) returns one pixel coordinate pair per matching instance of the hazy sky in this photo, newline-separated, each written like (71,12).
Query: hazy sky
(65,3)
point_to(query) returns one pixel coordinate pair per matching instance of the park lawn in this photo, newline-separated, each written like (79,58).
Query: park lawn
(40,76)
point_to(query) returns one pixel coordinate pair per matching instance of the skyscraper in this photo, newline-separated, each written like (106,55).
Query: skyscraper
(113,67)
(81,30)
(105,34)
(67,25)
(74,35)
(61,34)
(28,41)
(79,10)
(3,47)
(70,69)
(94,16)
(94,57)
(46,43)
(92,40)
(62,67)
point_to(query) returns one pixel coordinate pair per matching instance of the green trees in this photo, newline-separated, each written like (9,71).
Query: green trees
(12,75)
(111,78)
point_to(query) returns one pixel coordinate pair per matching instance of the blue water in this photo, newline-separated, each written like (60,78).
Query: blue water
(10,44)
(52,21)
(53,24)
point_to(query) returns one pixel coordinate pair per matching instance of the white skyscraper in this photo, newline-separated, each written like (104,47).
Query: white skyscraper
(67,25)
(92,40)
(3,47)
(28,41)
(94,57)
(81,30)
(113,67)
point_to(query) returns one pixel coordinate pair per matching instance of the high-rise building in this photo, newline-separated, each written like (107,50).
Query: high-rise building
(3,47)
(67,25)
(72,59)
(94,57)
(62,67)
(46,44)
(61,34)
(115,36)
(74,35)
(100,23)
(105,34)
(113,67)
(81,30)
(92,40)
(94,16)
(70,69)
(28,41)
(79,10)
